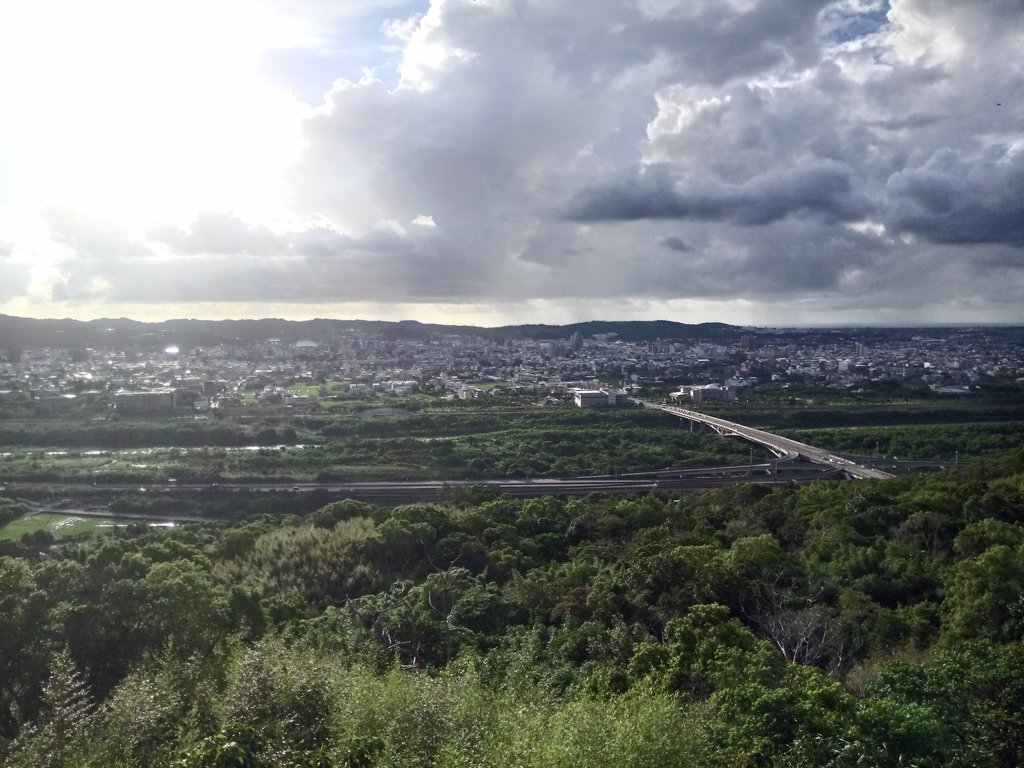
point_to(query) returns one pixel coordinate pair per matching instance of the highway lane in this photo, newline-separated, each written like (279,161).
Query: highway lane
(790,449)
(434,490)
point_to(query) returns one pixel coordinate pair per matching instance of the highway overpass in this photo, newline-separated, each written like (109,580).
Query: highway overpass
(784,448)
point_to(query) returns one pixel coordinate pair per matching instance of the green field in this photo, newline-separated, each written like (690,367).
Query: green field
(61,526)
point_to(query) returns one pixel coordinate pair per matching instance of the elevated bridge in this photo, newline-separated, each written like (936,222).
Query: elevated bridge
(784,448)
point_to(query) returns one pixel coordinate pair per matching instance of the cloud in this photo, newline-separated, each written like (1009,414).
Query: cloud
(825,189)
(227,234)
(220,257)
(14,274)
(92,238)
(952,198)
(220,233)
(676,243)
(844,156)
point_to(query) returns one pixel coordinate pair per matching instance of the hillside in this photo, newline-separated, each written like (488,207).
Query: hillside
(121,332)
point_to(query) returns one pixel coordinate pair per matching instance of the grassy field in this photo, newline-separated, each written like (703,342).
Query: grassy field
(61,526)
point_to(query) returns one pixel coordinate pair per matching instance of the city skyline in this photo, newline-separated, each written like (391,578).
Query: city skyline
(755,162)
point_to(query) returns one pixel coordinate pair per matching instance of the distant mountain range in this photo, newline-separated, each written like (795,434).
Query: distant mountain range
(20,332)
(28,333)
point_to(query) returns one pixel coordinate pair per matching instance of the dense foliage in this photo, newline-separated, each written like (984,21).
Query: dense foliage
(825,625)
(932,441)
(554,443)
(817,412)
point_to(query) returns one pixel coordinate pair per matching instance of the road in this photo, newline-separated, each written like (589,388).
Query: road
(435,490)
(788,450)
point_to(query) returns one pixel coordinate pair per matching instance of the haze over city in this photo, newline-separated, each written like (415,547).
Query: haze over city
(767,162)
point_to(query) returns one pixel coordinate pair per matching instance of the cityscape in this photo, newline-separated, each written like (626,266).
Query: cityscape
(364,365)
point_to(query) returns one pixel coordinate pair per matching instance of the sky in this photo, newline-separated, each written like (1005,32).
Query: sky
(758,162)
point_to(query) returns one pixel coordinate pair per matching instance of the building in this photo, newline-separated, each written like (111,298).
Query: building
(750,343)
(600,398)
(705,392)
(151,403)
(54,404)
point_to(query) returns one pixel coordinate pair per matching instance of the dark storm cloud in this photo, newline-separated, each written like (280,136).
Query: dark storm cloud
(824,190)
(788,258)
(955,199)
(676,243)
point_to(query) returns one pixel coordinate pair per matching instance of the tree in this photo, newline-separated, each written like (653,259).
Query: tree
(23,643)
(68,720)
(147,706)
(705,651)
(180,604)
(977,537)
(976,692)
(442,593)
(985,597)
(800,719)
(801,625)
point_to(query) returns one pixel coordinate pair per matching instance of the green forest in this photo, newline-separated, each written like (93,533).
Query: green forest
(831,624)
